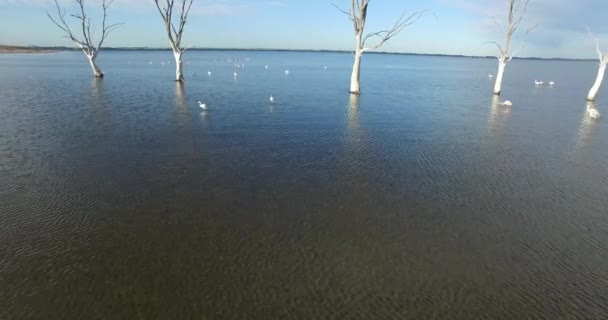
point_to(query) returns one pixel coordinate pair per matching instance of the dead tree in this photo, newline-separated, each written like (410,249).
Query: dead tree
(601,70)
(174,32)
(357,14)
(517,11)
(86,42)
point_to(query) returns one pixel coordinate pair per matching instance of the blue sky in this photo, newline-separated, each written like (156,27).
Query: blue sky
(455,27)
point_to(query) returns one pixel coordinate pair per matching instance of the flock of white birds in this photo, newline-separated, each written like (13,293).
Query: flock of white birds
(591,110)
(235,74)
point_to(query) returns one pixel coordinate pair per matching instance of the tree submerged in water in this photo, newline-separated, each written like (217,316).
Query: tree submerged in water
(86,42)
(601,70)
(517,11)
(175,33)
(357,14)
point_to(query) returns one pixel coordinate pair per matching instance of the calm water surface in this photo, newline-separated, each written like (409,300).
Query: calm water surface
(120,199)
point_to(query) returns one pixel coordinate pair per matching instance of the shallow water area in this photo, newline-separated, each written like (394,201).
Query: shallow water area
(121,198)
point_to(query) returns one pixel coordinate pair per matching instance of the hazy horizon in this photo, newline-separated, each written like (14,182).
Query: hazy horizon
(379,51)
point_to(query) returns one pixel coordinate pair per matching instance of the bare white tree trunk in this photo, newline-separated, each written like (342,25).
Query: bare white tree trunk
(175,33)
(92,61)
(502,63)
(598,82)
(355,86)
(517,11)
(601,70)
(179,75)
(358,15)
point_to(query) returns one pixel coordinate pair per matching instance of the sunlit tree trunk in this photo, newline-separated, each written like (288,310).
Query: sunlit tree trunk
(92,61)
(179,75)
(355,86)
(502,64)
(516,13)
(598,82)
(175,29)
(357,14)
(603,57)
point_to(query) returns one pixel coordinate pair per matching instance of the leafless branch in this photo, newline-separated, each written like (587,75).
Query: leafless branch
(517,23)
(502,52)
(523,44)
(386,35)
(495,21)
(348,13)
(62,24)
(174,31)
(86,42)
(597,45)
(517,12)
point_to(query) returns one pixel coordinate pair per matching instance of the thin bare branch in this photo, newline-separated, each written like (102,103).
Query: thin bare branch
(62,24)
(495,21)
(174,31)
(502,52)
(386,35)
(85,24)
(597,44)
(523,44)
(517,10)
(518,20)
(349,14)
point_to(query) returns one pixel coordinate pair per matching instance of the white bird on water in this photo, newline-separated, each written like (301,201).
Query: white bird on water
(490,76)
(593,113)
(271,99)
(551,83)
(506,103)
(202,105)
(539,83)
(208,73)
(286,72)
(235,74)
(265,67)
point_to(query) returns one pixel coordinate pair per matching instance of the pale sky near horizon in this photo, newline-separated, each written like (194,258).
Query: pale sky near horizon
(455,27)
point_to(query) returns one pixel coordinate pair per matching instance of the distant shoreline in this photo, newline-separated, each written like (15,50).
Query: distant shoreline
(19,49)
(35,49)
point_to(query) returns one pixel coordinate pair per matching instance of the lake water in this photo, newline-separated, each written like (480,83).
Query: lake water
(120,199)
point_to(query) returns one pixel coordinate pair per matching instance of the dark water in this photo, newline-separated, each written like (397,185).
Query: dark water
(119,199)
